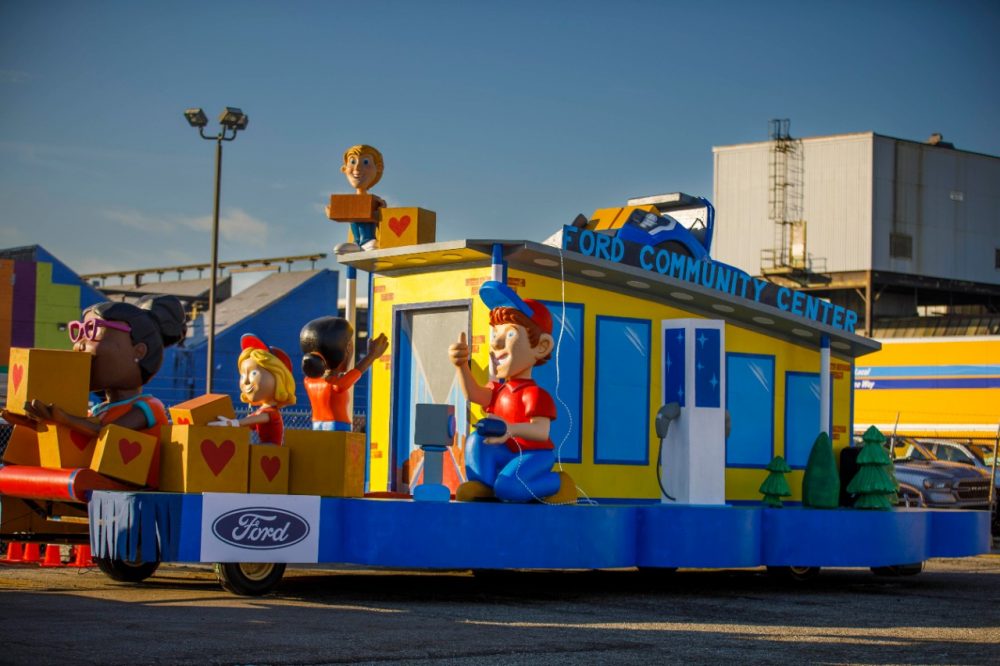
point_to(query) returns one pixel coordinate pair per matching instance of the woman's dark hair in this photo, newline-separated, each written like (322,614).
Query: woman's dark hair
(324,344)
(156,321)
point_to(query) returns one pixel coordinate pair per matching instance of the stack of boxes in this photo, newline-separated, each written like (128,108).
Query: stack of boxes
(63,378)
(194,457)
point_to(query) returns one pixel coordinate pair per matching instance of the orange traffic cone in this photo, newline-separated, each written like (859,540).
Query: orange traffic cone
(15,551)
(53,556)
(81,556)
(31,553)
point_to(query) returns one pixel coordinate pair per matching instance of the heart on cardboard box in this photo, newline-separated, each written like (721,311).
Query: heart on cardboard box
(183,421)
(17,374)
(129,450)
(270,465)
(217,456)
(399,224)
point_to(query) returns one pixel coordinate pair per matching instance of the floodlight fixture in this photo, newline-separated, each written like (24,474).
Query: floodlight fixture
(234,119)
(196,118)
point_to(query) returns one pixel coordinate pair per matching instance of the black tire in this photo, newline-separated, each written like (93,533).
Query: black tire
(126,572)
(657,572)
(797,574)
(249,579)
(899,569)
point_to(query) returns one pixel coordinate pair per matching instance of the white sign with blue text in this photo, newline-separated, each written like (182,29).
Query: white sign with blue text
(259,528)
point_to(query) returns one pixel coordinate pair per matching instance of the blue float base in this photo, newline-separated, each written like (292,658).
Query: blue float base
(488,535)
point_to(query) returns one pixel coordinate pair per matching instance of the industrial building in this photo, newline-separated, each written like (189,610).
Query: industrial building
(903,232)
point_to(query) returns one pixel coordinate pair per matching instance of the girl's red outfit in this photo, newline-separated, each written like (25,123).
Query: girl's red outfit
(273,431)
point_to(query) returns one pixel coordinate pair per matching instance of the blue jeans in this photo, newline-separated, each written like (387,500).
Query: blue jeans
(514,477)
(332,426)
(363,232)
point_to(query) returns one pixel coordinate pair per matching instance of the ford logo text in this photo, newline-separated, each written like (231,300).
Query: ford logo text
(260,528)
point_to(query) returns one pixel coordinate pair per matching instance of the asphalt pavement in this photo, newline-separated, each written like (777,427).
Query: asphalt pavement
(946,615)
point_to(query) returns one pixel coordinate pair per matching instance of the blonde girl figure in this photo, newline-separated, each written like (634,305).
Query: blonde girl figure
(266,382)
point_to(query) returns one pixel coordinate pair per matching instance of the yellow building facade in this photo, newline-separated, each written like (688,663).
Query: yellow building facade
(608,374)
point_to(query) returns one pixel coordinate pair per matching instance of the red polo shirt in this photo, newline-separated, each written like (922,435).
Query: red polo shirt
(272,432)
(518,401)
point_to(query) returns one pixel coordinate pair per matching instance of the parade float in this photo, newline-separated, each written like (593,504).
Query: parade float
(611,397)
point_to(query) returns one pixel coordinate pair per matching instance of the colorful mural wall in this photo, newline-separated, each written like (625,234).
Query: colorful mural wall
(38,296)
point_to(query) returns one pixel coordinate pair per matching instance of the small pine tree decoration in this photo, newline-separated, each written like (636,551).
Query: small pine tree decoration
(872,484)
(821,483)
(775,486)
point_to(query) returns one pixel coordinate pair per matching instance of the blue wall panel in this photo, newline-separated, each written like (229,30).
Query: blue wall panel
(750,401)
(801,416)
(621,398)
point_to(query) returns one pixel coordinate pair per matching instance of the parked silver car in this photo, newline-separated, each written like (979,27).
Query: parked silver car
(944,485)
(976,454)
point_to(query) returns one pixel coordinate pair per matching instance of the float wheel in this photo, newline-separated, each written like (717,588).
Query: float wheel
(126,572)
(798,574)
(249,579)
(899,569)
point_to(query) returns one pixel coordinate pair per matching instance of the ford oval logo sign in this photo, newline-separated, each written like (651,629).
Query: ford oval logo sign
(260,528)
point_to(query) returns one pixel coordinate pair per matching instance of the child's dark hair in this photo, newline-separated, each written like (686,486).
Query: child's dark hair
(324,343)
(156,321)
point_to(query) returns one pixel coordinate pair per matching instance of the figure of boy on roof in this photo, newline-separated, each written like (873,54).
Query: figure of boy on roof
(510,456)
(363,168)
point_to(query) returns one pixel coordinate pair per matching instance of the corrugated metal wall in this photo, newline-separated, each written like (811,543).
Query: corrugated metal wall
(834,177)
(946,202)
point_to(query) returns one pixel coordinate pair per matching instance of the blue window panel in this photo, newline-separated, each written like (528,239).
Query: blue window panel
(801,416)
(673,365)
(707,360)
(750,401)
(621,397)
(401,397)
(562,377)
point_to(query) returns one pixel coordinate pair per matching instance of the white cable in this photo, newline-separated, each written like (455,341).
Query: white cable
(569,414)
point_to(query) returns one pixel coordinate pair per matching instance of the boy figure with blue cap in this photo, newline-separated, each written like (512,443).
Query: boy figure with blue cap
(510,455)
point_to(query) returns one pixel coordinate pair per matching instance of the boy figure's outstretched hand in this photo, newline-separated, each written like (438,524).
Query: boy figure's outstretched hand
(458,352)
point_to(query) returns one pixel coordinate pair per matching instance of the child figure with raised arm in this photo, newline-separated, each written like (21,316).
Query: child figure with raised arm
(510,456)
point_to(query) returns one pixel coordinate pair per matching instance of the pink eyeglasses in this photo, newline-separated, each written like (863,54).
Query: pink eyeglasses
(88,329)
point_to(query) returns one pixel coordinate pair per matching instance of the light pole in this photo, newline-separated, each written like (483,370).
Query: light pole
(232,120)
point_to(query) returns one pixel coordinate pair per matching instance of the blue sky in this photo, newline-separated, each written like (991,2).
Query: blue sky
(507,118)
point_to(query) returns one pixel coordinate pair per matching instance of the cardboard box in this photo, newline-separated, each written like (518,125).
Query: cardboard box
(204,459)
(398,227)
(269,469)
(202,410)
(49,375)
(353,208)
(60,447)
(123,454)
(330,464)
(22,448)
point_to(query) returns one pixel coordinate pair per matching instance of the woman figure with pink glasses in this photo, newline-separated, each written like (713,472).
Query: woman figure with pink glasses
(126,343)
